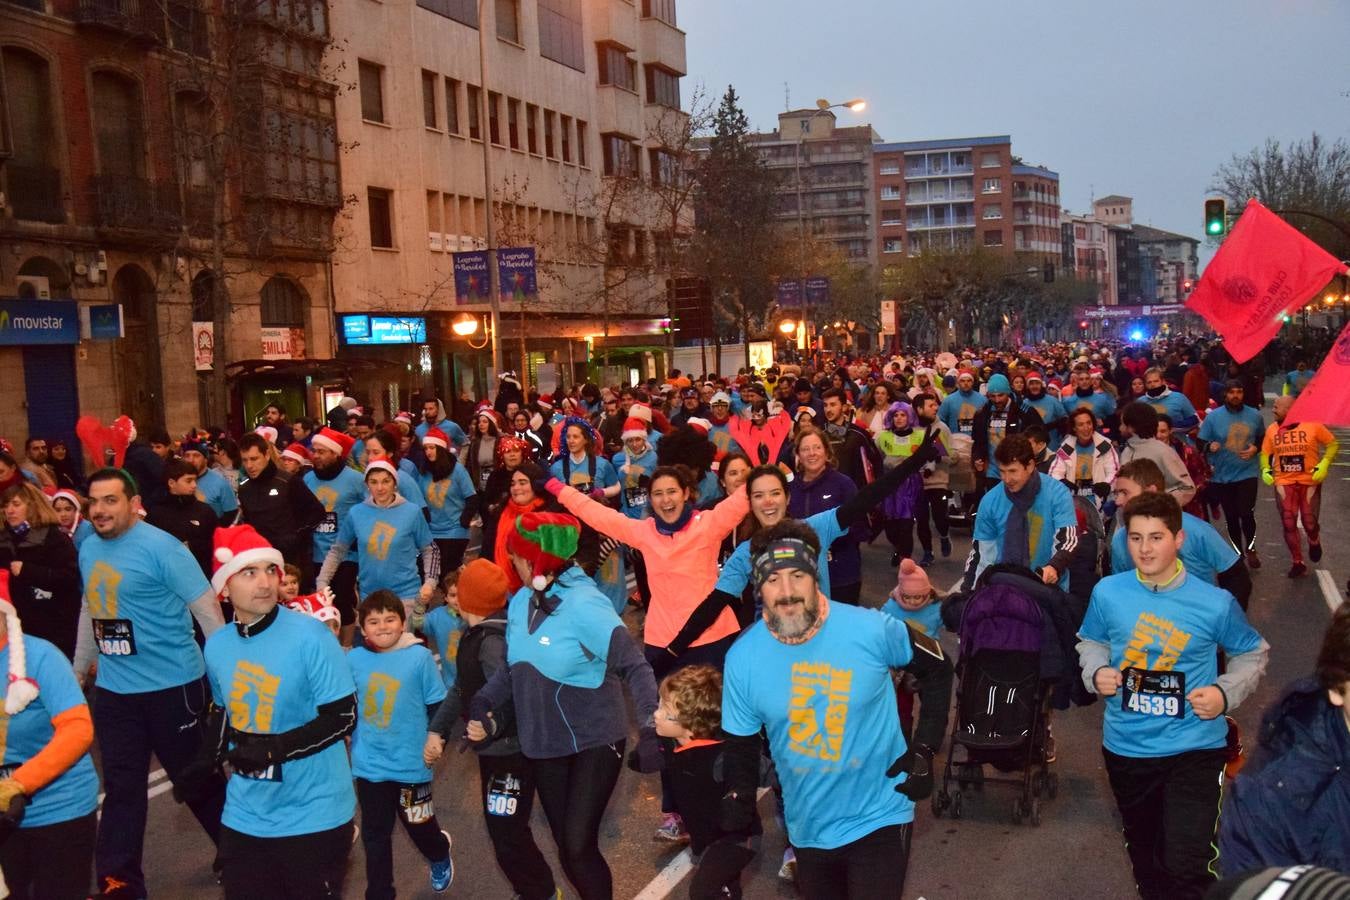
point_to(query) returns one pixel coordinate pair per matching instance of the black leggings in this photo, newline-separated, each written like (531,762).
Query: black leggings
(574,791)
(851,872)
(1238,501)
(381,803)
(50,862)
(508,791)
(452,553)
(900,532)
(933,502)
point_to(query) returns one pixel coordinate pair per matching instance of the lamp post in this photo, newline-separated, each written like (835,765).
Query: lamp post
(494,296)
(856,105)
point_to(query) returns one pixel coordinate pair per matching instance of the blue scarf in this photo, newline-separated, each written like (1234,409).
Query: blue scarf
(678,524)
(19,531)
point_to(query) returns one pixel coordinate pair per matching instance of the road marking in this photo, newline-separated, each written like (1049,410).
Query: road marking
(155,789)
(670,877)
(1330,592)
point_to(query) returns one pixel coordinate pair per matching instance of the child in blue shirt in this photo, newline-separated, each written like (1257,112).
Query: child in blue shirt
(397,690)
(442,627)
(914,602)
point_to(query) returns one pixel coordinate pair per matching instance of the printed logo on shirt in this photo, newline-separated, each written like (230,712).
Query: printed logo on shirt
(436,492)
(1035,523)
(101,590)
(327,496)
(1153,634)
(377,707)
(818,710)
(253,697)
(380,540)
(1239,437)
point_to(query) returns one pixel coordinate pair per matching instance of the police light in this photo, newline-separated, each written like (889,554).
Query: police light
(1136,335)
(1216,219)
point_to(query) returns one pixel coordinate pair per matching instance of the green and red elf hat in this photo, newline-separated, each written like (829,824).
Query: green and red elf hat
(546,541)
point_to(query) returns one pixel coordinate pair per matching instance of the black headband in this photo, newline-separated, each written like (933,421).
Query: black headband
(785,553)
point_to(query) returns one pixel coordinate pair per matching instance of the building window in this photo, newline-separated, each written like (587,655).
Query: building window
(560,33)
(890,168)
(550,126)
(187,27)
(192,133)
(301,163)
(663,87)
(581,143)
(659,9)
(463,11)
(513,122)
(474,111)
(34,180)
(615,67)
(620,156)
(993,211)
(371,77)
(452,106)
(892,245)
(565,137)
(992,186)
(664,168)
(282,304)
(508,20)
(890,192)
(989,160)
(494,115)
(993,239)
(117,125)
(429,108)
(531,127)
(892,219)
(380,203)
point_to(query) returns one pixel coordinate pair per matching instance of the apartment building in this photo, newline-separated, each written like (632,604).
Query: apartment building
(1133,264)
(108,207)
(579,95)
(1168,263)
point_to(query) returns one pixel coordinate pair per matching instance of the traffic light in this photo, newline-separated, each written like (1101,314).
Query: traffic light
(1216,216)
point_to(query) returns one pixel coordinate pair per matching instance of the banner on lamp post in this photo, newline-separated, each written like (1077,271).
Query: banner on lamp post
(817,291)
(516,273)
(789,292)
(471,276)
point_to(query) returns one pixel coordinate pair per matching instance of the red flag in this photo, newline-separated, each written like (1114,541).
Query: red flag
(1264,269)
(1326,399)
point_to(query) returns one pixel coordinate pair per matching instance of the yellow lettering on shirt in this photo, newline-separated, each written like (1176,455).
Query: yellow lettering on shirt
(380,540)
(1159,635)
(101,589)
(812,731)
(1035,525)
(377,707)
(253,697)
(327,496)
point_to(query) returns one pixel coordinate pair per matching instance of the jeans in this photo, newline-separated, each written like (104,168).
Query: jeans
(504,779)
(381,803)
(871,868)
(50,862)
(129,728)
(299,867)
(574,791)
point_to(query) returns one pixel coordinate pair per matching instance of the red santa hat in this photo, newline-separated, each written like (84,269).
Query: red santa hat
(437,438)
(22,690)
(237,548)
(268,432)
(702,426)
(318,604)
(300,453)
(545,401)
(403,417)
(641,411)
(336,441)
(633,427)
(377,465)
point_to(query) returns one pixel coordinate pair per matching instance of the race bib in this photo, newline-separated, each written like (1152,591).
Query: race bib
(328,525)
(503,796)
(271,773)
(1154,693)
(115,637)
(415,804)
(966,426)
(483,475)
(635,497)
(1293,465)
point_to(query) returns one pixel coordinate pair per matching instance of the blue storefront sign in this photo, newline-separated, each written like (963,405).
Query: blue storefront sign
(471,276)
(515,272)
(105,322)
(29,322)
(383,329)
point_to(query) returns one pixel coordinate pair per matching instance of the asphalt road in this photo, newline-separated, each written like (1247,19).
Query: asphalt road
(1076,851)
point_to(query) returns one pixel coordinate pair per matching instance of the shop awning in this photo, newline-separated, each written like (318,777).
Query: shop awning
(321,369)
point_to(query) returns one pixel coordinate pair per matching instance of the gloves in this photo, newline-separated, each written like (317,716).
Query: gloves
(1268,476)
(663,663)
(647,757)
(917,763)
(253,752)
(9,790)
(11,817)
(738,812)
(552,487)
(1319,472)
(197,781)
(597,494)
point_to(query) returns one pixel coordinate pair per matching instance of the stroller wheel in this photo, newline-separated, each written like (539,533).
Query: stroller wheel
(1035,811)
(956,804)
(1017,811)
(940,803)
(1051,784)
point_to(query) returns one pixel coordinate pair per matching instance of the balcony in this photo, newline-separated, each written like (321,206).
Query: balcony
(135,204)
(140,20)
(663,44)
(35,193)
(933,225)
(925,171)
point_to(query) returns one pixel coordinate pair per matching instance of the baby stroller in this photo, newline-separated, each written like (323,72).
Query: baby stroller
(1002,696)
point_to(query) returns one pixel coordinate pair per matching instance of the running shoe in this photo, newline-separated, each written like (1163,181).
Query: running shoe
(672,830)
(1049,747)
(111,888)
(443,872)
(1236,757)
(1315,552)
(895,558)
(1297,570)
(946,547)
(788,870)
(1253,561)
(927,560)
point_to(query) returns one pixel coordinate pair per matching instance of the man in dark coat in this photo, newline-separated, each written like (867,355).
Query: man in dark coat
(279,507)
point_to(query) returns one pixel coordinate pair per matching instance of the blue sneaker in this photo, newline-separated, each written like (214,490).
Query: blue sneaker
(443,872)
(946,547)
(927,560)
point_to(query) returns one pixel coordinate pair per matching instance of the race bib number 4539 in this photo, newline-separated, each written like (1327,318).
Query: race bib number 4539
(1154,693)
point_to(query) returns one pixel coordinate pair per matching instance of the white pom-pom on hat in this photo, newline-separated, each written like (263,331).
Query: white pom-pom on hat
(224,554)
(539,582)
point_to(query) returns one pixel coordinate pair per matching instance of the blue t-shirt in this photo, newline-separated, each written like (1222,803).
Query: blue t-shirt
(338,495)
(634,485)
(138,587)
(445,500)
(736,571)
(927,619)
(74,793)
(1100,402)
(1174,630)
(1233,432)
(1205,553)
(409,488)
(446,425)
(388,540)
(443,630)
(1175,406)
(1051,410)
(393,690)
(215,492)
(829,707)
(1297,381)
(1051,511)
(957,410)
(578,474)
(83,531)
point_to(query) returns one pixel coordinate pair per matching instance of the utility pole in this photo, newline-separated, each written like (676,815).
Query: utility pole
(494,289)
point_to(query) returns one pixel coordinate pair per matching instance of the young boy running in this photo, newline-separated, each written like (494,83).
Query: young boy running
(397,687)
(1149,643)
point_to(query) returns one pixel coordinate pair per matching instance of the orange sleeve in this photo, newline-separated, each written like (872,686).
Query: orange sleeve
(74,735)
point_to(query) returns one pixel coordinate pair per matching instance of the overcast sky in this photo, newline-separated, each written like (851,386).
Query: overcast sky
(1143,98)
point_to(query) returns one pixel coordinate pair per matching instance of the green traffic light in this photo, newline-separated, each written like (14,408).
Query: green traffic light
(1215,228)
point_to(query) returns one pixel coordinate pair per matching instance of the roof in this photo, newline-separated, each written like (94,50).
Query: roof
(944,144)
(1150,235)
(1113,198)
(1039,171)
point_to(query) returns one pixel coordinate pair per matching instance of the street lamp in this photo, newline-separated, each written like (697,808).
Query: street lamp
(494,297)
(787,326)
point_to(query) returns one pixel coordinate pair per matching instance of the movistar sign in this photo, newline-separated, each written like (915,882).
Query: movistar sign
(39,322)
